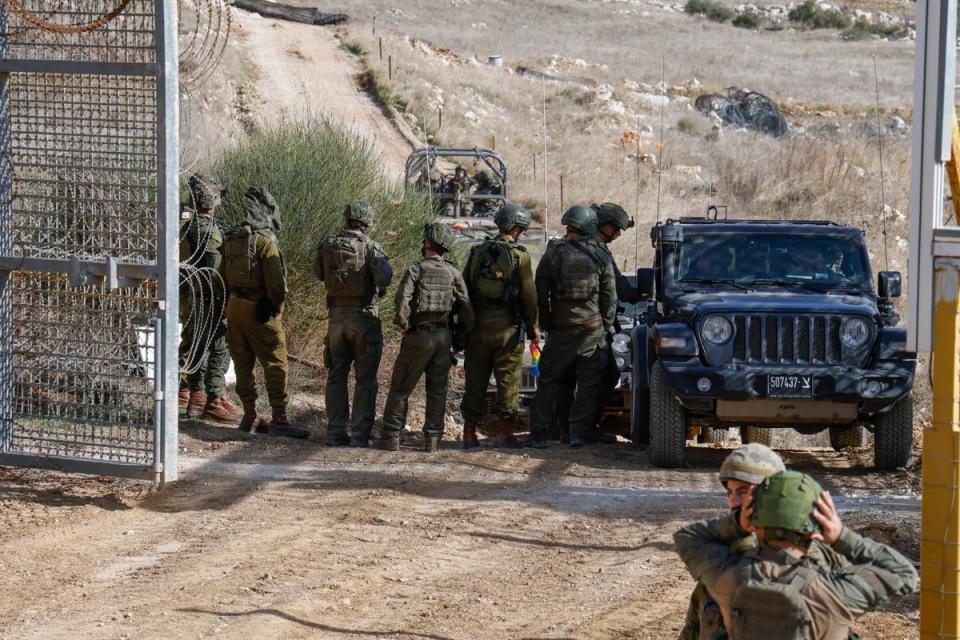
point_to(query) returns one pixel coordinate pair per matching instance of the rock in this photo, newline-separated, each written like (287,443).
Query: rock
(631,85)
(651,100)
(897,124)
(859,171)
(908,33)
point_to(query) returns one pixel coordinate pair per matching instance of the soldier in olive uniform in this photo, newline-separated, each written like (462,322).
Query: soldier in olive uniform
(356,273)
(777,590)
(256,276)
(203,391)
(577,296)
(499,277)
(431,291)
(457,191)
(485,186)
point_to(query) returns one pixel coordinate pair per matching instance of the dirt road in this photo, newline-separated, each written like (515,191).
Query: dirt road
(269,538)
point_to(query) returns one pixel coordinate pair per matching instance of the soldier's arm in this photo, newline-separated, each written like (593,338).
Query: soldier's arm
(403,299)
(542,284)
(274,272)
(625,291)
(877,572)
(380,268)
(705,547)
(608,294)
(528,292)
(462,302)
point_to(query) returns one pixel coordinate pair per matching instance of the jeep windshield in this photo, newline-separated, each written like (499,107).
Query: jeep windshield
(801,261)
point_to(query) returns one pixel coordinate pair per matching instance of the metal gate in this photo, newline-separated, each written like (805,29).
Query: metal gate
(88,235)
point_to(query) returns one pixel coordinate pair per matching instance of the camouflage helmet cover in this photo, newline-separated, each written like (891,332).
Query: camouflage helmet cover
(784,503)
(512,215)
(359,211)
(483,177)
(611,213)
(751,463)
(582,218)
(438,235)
(206,191)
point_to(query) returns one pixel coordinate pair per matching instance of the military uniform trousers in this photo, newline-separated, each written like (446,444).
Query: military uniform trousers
(251,341)
(584,349)
(423,351)
(611,376)
(353,339)
(210,366)
(493,346)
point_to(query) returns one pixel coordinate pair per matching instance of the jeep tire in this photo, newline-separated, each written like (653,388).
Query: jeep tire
(760,435)
(668,423)
(893,436)
(842,437)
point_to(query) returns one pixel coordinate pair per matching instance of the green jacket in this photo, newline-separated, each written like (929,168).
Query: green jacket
(201,242)
(575,285)
(429,292)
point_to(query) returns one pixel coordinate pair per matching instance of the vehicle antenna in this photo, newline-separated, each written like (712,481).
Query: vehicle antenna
(546,208)
(663,95)
(883,204)
(636,208)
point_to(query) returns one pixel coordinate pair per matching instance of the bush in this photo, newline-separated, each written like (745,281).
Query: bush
(747,20)
(862,30)
(812,16)
(314,168)
(711,9)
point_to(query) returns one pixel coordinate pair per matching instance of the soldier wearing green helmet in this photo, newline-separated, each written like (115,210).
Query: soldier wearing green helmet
(356,273)
(612,220)
(431,295)
(778,590)
(577,297)
(499,277)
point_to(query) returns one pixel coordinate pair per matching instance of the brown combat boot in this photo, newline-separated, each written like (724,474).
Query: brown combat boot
(251,421)
(503,433)
(219,408)
(280,425)
(183,399)
(387,443)
(198,400)
(470,440)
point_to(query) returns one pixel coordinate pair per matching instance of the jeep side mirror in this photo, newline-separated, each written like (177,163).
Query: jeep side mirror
(647,281)
(889,284)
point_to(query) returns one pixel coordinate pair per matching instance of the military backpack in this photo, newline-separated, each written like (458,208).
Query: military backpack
(241,264)
(494,275)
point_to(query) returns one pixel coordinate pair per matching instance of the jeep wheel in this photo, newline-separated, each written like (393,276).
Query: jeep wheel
(713,435)
(760,435)
(843,437)
(893,436)
(668,423)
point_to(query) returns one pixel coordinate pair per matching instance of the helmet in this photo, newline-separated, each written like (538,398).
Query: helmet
(438,235)
(512,215)
(359,211)
(582,218)
(207,191)
(751,463)
(460,168)
(784,502)
(611,213)
(483,177)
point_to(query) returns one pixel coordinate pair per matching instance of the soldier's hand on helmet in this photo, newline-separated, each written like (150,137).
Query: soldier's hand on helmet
(827,517)
(746,513)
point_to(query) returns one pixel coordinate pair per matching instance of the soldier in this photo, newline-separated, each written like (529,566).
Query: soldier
(255,273)
(499,277)
(430,292)
(485,186)
(356,272)
(612,220)
(457,190)
(740,474)
(777,590)
(203,392)
(577,296)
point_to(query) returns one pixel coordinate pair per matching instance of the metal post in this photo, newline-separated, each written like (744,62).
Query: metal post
(381,48)
(390,68)
(561,192)
(439,118)
(534,166)
(168,176)
(6,249)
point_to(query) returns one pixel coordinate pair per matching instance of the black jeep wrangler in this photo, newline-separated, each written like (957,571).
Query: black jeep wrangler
(769,324)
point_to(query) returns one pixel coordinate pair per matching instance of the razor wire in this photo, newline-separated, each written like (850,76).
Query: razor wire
(32,17)
(205,28)
(204,294)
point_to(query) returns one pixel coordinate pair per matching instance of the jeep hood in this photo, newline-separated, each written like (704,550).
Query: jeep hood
(775,302)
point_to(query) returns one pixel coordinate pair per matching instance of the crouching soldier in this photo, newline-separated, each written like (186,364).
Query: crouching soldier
(256,277)
(429,293)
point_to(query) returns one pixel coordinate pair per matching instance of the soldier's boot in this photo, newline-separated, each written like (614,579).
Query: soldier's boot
(565,433)
(360,442)
(250,419)
(470,440)
(431,442)
(280,425)
(503,434)
(598,436)
(196,404)
(387,443)
(219,408)
(183,399)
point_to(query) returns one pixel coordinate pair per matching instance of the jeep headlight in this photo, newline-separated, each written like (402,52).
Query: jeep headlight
(855,332)
(621,344)
(717,330)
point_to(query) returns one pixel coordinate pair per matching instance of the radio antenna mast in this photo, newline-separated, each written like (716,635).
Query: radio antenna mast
(883,202)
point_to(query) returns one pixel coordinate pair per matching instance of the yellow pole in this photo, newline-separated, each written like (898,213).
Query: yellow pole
(940,512)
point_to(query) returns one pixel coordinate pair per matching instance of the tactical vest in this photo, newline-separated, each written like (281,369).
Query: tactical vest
(576,271)
(434,288)
(200,242)
(494,276)
(345,269)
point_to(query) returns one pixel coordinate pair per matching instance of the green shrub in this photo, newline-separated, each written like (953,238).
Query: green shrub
(713,10)
(862,30)
(812,16)
(747,20)
(314,168)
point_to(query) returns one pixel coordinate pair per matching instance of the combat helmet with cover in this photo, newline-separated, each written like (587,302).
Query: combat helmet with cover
(483,177)
(581,218)
(752,463)
(783,504)
(512,215)
(611,213)
(358,212)
(439,236)
(261,218)
(206,192)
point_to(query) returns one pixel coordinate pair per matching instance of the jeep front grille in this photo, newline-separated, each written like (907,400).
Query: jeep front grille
(786,339)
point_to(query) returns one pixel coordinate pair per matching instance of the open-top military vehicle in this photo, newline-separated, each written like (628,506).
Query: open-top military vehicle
(769,324)
(463,183)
